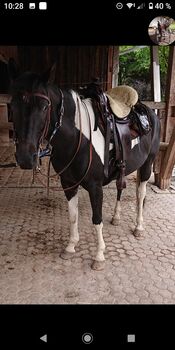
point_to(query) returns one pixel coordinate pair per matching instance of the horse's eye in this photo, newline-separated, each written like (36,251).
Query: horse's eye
(45,108)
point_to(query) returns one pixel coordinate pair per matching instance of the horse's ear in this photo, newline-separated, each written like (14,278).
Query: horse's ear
(13,69)
(49,75)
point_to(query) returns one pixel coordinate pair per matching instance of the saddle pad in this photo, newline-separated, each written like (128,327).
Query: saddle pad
(121,99)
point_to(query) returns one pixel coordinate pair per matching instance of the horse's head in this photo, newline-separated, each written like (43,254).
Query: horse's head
(30,106)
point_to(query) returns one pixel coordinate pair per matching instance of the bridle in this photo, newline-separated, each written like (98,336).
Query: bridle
(47,151)
(26,97)
(44,152)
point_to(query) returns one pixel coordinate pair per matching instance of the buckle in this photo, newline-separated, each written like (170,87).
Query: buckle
(45,152)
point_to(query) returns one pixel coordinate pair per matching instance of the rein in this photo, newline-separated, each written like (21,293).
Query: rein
(79,143)
(46,151)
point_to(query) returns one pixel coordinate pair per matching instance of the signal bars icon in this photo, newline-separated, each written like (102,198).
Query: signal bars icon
(141,6)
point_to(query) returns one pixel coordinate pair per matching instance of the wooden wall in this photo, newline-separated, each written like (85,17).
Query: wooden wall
(76,65)
(5,53)
(9,51)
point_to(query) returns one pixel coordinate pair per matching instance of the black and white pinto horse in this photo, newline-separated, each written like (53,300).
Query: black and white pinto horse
(42,110)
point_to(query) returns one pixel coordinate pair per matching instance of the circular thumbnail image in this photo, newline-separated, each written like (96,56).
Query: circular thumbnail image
(161,30)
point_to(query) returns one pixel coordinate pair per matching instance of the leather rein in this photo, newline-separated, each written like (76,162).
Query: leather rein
(47,151)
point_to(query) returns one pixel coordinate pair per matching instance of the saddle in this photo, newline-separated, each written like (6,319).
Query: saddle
(121,117)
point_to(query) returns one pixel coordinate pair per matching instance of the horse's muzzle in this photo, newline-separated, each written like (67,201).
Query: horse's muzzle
(26,162)
(26,157)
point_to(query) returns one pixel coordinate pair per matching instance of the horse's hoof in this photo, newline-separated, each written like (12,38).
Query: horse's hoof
(98,265)
(66,255)
(115,222)
(137,233)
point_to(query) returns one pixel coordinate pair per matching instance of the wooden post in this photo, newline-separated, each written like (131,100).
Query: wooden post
(115,67)
(170,96)
(156,94)
(156,89)
(4,133)
(168,156)
(168,163)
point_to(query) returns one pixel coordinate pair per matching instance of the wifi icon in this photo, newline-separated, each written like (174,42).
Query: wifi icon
(130,4)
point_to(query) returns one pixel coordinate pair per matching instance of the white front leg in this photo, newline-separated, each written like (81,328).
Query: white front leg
(99,261)
(73,218)
(141,193)
(100,243)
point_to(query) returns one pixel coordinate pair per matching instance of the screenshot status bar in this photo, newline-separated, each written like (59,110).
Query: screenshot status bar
(119,6)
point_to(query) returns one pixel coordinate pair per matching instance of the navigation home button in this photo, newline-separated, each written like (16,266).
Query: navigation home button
(44,338)
(87,338)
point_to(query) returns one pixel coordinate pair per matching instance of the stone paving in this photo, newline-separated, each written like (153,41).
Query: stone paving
(34,230)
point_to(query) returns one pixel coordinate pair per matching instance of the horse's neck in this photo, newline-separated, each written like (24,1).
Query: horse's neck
(62,121)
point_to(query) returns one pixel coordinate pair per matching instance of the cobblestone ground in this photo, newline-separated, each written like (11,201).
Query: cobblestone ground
(34,230)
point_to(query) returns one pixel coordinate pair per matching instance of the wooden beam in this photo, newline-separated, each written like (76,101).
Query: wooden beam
(5,98)
(163,146)
(4,134)
(155,105)
(6,126)
(168,163)
(134,48)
